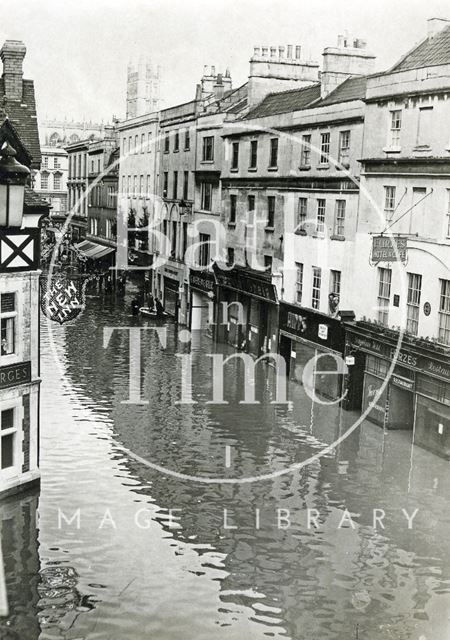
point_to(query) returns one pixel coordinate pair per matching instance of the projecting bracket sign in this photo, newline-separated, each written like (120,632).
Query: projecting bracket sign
(389,249)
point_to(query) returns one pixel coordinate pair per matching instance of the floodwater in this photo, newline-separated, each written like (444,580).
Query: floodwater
(124,551)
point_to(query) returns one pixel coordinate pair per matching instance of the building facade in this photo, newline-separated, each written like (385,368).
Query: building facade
(51,181)
(404,234)
(138,145)
(101,233)
(60,133)
(19,280)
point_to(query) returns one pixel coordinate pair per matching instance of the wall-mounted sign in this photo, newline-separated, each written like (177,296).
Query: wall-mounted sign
(323,331)
(203,280)
(312,326)
(15,374)
(399,381)
(349,360)
(19,249)
(246,283)
(389,249)
(427,308)
(396,300)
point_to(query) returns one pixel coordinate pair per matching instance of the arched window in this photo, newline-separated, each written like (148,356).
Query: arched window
(74,138)
(57,181)
(44,180)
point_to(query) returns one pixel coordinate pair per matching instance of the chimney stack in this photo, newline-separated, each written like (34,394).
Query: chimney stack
(435,25)
(274,68)
(349,58)
(12,54)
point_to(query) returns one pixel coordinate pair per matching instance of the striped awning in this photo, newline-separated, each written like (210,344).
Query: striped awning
(93,250)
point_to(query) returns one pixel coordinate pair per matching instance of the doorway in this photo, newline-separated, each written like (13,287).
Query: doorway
(401,408)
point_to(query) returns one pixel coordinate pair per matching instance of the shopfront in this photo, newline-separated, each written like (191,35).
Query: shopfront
(171,293)
(247,310)
(202,286)
(307,336)
(416,396)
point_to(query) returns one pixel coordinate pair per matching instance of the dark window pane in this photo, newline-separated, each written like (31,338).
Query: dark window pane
(7,419)
(8,302)
(7,451)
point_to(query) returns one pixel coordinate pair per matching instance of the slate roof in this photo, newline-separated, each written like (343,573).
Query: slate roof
(34,201)
(351,89)
(429,53)
(285,101)
(22,116)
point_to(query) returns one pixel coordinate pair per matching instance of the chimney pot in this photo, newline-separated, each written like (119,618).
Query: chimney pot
(256,51)
(265,51)
(298,51)
(281,52)
(213,71)
(289,51)
(273,52)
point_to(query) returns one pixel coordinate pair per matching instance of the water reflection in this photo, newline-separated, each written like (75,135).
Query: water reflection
(152,556)
(21,563)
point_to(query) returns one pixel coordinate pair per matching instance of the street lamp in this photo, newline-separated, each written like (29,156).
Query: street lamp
(13,177)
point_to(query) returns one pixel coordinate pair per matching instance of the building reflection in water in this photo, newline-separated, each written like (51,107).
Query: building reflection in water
(21,560)
(38,599)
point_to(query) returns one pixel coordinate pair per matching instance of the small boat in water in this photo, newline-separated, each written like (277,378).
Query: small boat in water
(150,313)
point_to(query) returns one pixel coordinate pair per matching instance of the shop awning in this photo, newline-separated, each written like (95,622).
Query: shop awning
(93,250)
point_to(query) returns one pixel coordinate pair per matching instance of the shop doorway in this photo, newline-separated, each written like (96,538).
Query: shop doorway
(401,408)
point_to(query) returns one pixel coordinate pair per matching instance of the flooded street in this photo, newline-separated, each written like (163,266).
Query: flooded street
(156,556)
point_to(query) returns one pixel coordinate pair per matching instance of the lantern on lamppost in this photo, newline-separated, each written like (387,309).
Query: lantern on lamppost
(13,177)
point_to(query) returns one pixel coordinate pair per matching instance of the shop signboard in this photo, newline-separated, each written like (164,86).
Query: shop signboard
(202,280)
(389,249)
(404,383)
(312,326)
(15,374)
(406,358)
(248,283)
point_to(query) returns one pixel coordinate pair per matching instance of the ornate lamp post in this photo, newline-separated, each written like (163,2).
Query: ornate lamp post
(13,177)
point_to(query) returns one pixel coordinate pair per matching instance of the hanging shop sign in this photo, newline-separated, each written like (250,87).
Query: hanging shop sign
(389,249)
(63,299)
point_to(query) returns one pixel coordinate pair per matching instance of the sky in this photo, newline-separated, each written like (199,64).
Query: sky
(78,51)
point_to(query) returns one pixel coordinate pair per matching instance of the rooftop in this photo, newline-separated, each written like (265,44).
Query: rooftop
(22,116)
(430,52)
(285,101)
(353,88)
